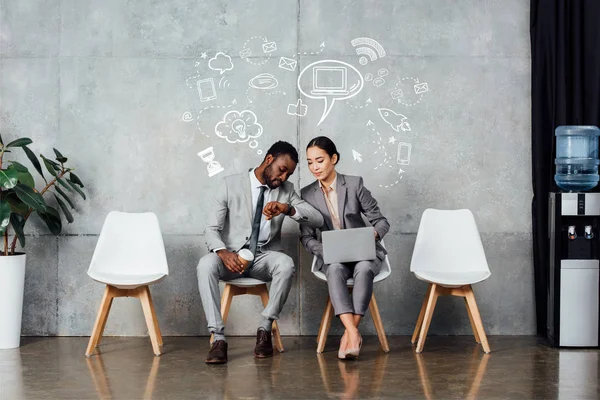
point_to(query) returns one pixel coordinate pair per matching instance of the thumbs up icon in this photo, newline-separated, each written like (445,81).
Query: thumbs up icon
(298,109)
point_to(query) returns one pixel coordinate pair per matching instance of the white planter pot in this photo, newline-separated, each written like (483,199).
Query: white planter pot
(12,285)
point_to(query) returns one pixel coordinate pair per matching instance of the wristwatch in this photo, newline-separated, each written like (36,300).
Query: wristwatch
(289,211)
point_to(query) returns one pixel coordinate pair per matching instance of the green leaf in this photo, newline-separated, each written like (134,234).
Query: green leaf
(16,205)
(4,216)
(64,195)
(59,157)
(1,141)
(30,197)
(19,167)
(64,184)
(74,186)
(34,160)
(52,219)
(20,142)
(8,178)
(64,209)
(49,166)
(75,179)
(18,223)
(26,179)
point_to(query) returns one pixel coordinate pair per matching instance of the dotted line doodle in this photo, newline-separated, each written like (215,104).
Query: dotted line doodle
(387,158)
(206,108)
(312,53)
(248,60)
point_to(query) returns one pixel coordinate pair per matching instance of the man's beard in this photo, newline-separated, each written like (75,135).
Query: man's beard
(268,181)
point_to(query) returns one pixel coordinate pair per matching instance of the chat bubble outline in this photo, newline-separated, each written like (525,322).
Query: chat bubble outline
(350,91)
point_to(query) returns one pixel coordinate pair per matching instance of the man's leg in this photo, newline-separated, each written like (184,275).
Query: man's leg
(210,269)
(279,269)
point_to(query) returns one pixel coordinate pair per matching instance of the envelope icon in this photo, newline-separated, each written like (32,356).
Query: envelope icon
(287,64)
(421,88)
(245,53)
(396,94)
(269,47)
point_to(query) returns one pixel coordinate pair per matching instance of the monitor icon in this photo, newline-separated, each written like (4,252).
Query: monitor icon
(329,80)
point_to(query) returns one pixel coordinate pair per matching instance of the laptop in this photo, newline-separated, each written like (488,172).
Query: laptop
(348,245)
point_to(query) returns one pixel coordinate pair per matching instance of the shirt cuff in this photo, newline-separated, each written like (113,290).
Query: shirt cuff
(297,216)
(218,248)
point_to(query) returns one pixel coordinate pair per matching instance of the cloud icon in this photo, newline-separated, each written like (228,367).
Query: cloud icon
(220,62)
(239,126)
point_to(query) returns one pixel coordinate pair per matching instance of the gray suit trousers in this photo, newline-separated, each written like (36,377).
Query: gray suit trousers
(270,266)
(363,273)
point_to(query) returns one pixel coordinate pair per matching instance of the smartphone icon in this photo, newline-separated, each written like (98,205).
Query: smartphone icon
(206,89)
(404,153)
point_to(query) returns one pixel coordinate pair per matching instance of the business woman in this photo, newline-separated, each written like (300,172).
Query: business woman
(343,200)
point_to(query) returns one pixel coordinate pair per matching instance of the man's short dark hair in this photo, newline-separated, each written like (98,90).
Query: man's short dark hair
(281,148)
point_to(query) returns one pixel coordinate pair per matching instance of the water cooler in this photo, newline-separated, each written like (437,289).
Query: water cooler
(574,235)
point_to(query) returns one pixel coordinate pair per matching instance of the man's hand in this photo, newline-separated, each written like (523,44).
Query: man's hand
(376,234)
(231,261)
(274,208)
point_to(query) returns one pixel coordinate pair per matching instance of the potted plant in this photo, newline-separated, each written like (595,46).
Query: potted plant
(18,200)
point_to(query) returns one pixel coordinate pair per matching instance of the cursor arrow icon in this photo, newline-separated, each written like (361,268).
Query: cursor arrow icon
(356,155)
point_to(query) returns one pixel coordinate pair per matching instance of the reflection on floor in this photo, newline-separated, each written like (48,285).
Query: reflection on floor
(449,368)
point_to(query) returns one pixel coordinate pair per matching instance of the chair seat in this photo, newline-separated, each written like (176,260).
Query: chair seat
(126,281)
(245,282)
(350,282)
(452,279)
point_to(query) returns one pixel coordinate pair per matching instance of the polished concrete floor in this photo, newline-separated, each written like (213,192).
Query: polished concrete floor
(449,368)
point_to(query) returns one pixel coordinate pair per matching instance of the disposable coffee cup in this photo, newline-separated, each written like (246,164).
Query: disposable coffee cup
(246,257)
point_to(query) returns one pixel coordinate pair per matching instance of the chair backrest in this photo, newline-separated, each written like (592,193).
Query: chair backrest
(130,243)
(448,240)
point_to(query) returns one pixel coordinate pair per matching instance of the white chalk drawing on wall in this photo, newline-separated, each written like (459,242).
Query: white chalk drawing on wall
(208,156)
(395,120)
(266,47)
(379,81)
(239,126)
(368,77)
(329,81)
(224,82)
(220,62)
(312,53)
(367,103)
(404,150)
(387,159)
(187,117)
(299,109)
(263,81)
(369,49)
(203,55)
(206,89)
(288,64)
(357,156)
(199,118)
(409,91)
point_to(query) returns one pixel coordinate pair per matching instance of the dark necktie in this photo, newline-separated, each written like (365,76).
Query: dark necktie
(256,221)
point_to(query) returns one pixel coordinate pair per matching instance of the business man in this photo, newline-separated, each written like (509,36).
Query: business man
(248,211)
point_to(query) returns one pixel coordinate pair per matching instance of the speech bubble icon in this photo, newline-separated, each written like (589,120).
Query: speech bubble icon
(330,80)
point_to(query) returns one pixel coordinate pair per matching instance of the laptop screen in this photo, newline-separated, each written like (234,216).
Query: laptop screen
(329,78)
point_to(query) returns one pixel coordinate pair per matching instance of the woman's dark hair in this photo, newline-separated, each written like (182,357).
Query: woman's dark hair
(325,144)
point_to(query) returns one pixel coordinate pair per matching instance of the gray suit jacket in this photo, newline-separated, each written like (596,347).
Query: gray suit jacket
(354,200)
(230,223)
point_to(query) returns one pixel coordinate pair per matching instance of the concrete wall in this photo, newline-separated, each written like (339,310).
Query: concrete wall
(109,82)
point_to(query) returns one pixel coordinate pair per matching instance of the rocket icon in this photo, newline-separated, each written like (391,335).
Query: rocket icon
(396,121)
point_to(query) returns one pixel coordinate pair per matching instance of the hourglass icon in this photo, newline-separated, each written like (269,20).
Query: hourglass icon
(208,156)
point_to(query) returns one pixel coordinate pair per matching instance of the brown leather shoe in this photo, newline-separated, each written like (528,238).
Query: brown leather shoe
(217,353)
(264,345)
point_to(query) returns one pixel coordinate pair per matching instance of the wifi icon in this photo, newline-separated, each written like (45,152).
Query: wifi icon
(224,82)
(367,47)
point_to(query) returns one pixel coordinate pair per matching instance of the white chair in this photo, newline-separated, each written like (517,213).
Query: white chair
(239,286)
(129,256)
(448,255)
(386,270)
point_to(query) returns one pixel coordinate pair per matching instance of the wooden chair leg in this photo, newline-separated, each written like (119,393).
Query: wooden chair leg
(110,301)
(421,315)
(156,325)
(432,299)
(378,324)
(100,320)
(146,300)
(475,333)
(264,297)
(470,296)
(325,325)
